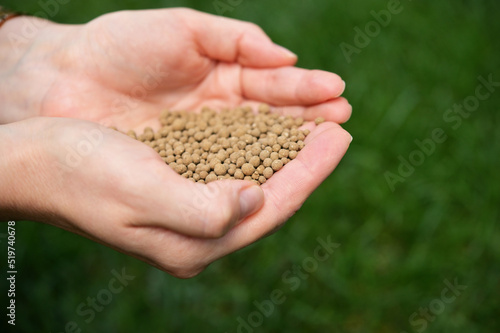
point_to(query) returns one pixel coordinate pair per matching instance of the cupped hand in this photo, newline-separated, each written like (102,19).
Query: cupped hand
(101,184)
(121,70)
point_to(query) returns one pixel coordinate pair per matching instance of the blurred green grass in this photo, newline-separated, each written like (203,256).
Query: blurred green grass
(397,247)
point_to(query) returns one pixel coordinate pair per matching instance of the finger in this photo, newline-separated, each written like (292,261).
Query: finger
(287,190)
(231,40)
(198,210)
(291,86)
(337,110)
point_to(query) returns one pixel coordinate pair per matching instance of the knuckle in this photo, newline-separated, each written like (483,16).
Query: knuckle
(217,222)
(217,209)
(186,271)
(187,264)
(255,28)
(182,10)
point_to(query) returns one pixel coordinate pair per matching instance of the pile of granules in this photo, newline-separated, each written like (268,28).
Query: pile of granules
(230,144)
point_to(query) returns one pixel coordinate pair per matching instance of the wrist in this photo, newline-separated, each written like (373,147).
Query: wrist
(23,194)
(6,15)
(28,66)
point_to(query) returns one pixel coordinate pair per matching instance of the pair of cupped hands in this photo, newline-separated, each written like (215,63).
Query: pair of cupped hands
(62,87)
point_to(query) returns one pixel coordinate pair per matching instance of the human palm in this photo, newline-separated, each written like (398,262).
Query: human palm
(122,70)
(132,65)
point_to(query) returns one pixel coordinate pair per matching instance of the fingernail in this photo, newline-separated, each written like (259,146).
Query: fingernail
(351,138)
(251,199)
(287,52)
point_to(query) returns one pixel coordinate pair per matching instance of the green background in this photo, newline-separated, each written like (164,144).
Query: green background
(397,247)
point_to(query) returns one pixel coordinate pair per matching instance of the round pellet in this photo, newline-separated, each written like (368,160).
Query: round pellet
(277,165)
(230,144)
(248,169)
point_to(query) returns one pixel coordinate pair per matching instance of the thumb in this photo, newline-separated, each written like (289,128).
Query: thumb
(201,210)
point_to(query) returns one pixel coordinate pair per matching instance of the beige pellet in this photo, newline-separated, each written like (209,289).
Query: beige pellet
(213,162)
(260,169)
(255,161)
(281,140)
(178,124)
(248,169)
(220,169)
(319,120)
(132,134)
(264,108)
(231,144)
(238,174)
(283,153)
(255,150)
(180,168)
(210,178)
(240,161)
(268,172)
(264,154)
(278,129)
(277,165)
(179,150)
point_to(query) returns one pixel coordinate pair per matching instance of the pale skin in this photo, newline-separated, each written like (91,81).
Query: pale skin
(121,70)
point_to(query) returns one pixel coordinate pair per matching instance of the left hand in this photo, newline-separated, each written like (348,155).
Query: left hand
(123,68)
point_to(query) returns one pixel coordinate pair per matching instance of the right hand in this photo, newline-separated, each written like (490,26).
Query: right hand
(101,184)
